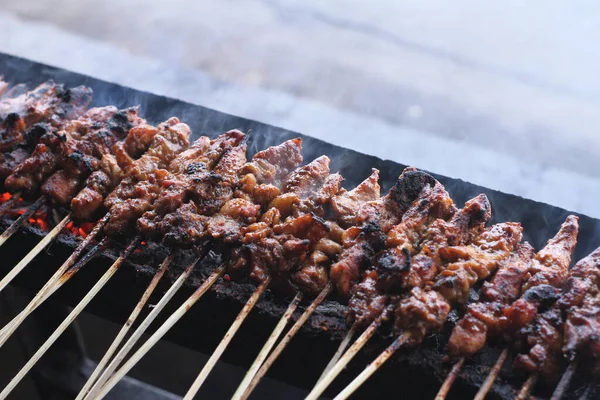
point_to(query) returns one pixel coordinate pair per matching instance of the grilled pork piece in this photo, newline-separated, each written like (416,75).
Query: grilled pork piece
(88,153)
(421,261)
(100,183)
(202,189)
(78,145)
(48,103)
(374,220)
(580,301)
(426,309)
(535,319)
(142,181)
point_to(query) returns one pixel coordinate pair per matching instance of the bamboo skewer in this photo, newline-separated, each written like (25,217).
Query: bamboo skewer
(373,367)
(70,318)
(343,362)
(264,352)
(164,328)
(527,386)
(287,338)
(137,334)
(19,222)
(563,385)
(125,329)
(212,361)
(34,252)
(14,324)
(338,354)
(9,203)
(491,378)
(441,395)
(42,294)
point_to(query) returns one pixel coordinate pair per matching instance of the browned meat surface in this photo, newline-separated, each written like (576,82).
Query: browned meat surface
(375,219)
(467,265)
(192,177)
(10,160)
(549,265)
(142,181)
(49,103)
(75,148)
(418,262)
(86,204)
(580,301)
(484,318)
(347,204)
(425,310)
(86,155)
(209,188)
(535,319)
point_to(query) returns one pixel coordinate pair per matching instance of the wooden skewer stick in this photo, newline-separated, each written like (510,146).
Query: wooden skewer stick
(340,351)
(212,361)
(287,338)
(264,352)
(563,385)
(34,252)
(137,334)
(343,362)
(491,378)
(125,329)
(43,294)
(14,324)
(164,328)
(527,386)
(70,318)
(372,367)
(9,203)
(19,222)
(450,380)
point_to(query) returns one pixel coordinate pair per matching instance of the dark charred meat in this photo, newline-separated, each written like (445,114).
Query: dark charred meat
(87,154)
(48,103)
(535,318)
(415,261)
(142,181)
(426,309)
(206,179)
(580,301)
(78,145)
(482,318)
(374,221)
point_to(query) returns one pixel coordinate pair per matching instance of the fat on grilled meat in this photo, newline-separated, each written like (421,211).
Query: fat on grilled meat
(375,219)
(86,204)
(48,103)
(426,309)
(81,141)
(142,181)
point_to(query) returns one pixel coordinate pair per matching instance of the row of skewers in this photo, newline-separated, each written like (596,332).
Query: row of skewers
(402,261)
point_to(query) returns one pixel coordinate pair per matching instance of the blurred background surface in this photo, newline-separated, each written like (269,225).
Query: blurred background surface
(504,94)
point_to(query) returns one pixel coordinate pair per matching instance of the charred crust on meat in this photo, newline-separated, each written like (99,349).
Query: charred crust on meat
(409,186)
(543,295)
(195,168)
(33,134)
(63,94)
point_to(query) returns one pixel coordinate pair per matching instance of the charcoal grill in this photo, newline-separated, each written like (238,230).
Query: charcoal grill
(412,375)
